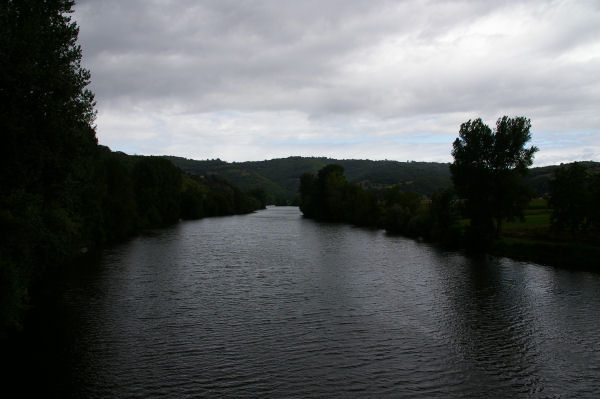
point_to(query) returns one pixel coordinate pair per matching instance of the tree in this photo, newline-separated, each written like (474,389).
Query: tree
(49,147)
(487,171)
(308,195)
(331,184)
(323,197)
(399,208)
(574,198)
(444,218)
(157,184)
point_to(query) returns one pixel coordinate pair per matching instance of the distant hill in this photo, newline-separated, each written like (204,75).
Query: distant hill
(280,177)
(539,178)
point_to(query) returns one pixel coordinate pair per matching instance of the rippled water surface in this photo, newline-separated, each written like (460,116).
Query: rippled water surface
(272,305)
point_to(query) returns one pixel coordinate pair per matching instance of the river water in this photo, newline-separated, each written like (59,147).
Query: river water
(274,305)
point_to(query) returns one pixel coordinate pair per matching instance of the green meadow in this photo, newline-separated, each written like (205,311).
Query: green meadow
(534,239)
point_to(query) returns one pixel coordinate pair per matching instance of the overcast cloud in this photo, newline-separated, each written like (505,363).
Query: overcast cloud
(254,80)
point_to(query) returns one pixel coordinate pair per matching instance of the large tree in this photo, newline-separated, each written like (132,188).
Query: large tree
(322,197)
(574,198)
(48,144)
(487,170)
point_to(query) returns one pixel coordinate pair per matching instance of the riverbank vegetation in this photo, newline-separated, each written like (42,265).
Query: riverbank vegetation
(564,229)
(63,194)
(494,211)
(328,197)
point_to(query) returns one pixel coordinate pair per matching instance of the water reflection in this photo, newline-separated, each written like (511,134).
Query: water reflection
(274,305)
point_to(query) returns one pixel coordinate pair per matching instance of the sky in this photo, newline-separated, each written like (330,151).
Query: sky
(347,79)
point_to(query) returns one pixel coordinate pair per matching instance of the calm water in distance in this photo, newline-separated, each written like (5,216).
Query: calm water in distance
(274,305)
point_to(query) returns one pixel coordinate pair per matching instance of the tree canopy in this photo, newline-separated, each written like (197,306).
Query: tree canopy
(48,146)
(329,197)
(574,198)
(487,171)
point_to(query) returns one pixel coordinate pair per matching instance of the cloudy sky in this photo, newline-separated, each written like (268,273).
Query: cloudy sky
(254,80)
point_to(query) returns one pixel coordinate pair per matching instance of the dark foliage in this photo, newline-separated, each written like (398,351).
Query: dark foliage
(329,197)
(280,178)
(575,198)
(156,183)
(487,172)
(48,145)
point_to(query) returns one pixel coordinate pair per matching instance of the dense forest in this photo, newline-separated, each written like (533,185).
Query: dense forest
(62,193)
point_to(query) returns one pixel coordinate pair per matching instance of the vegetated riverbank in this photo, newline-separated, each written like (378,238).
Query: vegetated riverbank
(327,196)
(119,197)
(534,239)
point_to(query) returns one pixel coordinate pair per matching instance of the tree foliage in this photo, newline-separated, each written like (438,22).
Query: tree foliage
(329,197)
(575,198)
(487,172)
(48,150)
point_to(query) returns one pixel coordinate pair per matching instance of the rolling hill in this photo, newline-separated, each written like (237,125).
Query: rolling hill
(280,177)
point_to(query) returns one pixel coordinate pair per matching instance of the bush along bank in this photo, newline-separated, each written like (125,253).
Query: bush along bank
(441,219)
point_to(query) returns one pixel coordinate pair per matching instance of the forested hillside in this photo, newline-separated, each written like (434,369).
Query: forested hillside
(539,178)
(280,178)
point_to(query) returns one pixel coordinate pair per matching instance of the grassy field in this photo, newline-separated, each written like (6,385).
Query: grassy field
(537,215)
(533,239)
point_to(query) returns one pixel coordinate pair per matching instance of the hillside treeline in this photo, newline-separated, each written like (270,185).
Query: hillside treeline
(118,196)
(139,192)
(280,177)
(327,196)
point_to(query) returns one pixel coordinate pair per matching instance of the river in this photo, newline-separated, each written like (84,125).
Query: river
(274,305)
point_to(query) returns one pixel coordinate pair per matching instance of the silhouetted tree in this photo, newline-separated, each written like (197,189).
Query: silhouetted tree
(398,209)
(157,184)
(308,195)
(322,197)
(574,198)
(48,150)
(360,206)
(193,196)
(445,216)
(119,205)
(487,171)
(331,183)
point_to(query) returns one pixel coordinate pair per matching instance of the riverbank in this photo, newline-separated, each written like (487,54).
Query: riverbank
(574,256)
(534,240)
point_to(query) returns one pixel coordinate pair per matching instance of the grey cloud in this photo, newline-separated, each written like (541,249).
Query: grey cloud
(152,49)
(344,59)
